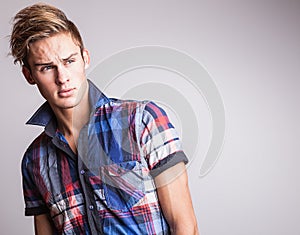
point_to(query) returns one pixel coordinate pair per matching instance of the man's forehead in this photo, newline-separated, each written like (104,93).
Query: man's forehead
(55,47)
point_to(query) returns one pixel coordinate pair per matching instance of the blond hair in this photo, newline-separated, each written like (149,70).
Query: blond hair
(37,22)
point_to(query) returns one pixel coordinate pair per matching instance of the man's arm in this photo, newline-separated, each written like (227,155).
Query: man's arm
(42,225)
(175,200)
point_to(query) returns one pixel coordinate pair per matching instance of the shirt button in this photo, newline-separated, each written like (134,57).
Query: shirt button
(91,207)
(82,172)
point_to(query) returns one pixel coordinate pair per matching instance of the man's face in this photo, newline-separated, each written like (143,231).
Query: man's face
(58,70)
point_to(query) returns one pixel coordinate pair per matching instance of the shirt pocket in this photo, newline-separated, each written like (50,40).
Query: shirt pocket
(123,184)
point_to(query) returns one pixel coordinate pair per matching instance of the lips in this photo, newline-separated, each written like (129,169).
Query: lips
(66,92)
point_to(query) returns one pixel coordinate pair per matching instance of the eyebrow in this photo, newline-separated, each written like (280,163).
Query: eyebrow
(51,63)
(42,64)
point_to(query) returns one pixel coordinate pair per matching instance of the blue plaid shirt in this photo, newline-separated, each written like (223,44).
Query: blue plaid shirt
(107,187)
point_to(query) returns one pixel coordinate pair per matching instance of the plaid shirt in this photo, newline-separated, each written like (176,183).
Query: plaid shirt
(107,187)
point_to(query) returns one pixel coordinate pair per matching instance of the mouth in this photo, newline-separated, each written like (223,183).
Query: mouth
(64,93)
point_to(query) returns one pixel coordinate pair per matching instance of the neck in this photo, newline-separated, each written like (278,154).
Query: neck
(70,121)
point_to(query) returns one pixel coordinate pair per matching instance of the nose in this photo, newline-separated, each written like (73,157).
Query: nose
(62,75)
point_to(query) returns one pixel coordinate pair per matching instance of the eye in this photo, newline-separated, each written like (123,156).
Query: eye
(46,68)
(70,61)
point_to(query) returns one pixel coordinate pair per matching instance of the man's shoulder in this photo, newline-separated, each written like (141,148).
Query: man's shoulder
(36,146)
(127,102)
(123,105)
(138,109)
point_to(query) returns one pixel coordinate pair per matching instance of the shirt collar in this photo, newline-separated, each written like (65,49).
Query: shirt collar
(44,114)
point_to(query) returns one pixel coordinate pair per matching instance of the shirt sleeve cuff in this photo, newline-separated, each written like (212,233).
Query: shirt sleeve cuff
(168,162)
(36,211)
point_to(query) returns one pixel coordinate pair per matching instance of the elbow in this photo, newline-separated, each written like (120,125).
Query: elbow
(190,228)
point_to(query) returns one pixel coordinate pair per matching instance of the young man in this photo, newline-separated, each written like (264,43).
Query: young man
(101,165)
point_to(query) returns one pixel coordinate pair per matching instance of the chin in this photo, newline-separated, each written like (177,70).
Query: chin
(67,105)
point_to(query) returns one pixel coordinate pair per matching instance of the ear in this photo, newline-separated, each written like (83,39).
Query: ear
(86,58)
(27,75)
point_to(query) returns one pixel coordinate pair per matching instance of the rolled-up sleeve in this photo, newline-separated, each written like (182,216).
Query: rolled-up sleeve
(34,203)
(159,140)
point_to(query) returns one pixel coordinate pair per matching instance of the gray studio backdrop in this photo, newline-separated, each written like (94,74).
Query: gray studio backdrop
(249,50)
